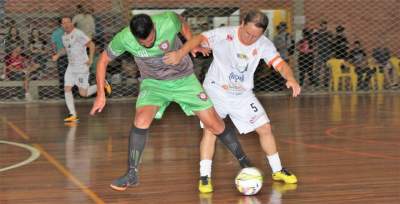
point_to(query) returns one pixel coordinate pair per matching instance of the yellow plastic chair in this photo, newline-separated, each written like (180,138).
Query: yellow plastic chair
(337,75)
(378,79)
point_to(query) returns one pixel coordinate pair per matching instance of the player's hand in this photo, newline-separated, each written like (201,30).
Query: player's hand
(55,57)
(173,58)
(202,50)
(98,104)
(295,87)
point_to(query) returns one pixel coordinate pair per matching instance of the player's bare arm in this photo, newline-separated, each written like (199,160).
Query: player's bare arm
(287,73)
(92,48)
(60,53)
(101,68)
(191,45)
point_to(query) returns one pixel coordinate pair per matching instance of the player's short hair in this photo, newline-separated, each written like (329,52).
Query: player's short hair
(65,16)
(259,19)
(141,26)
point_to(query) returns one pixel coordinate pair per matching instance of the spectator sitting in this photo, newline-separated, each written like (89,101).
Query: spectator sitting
(358,58)
(283,41)
(341,43)
(19,68)
(12,40)
(382,57)
(306,57)
(37,49)
(323,39)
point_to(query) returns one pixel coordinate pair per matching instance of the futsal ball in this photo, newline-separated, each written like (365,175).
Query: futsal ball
(249,181)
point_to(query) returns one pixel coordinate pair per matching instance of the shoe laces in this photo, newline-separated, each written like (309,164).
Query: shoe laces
(131,174)
(204,180)
(286,172)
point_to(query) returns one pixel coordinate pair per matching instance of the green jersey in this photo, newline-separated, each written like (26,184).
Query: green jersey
(149,60)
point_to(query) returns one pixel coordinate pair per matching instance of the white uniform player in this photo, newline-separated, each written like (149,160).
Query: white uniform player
(229,84)
(75,44)
(229,81)
(78,70)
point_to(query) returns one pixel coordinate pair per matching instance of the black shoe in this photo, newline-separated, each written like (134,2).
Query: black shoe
(122,183)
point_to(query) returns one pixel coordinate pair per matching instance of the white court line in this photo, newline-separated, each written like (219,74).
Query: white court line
(34,155)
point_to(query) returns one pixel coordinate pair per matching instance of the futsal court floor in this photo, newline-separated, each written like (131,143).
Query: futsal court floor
(343,148)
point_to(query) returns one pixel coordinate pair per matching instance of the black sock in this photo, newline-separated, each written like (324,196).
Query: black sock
(137,141)
(229,139)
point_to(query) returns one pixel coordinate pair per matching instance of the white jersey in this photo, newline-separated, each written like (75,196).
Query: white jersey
(75,46)
(234,63)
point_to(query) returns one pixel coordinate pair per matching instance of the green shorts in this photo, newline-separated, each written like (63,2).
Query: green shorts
(186,91)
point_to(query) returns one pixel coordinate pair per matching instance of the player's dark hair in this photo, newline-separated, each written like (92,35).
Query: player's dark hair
(141,26)
(65,16)
(259,19)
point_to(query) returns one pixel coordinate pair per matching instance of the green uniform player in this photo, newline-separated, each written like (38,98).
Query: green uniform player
(148,38)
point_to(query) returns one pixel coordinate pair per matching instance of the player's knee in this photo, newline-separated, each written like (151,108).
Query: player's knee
(142,123)
(216,128)
(264,130)
(83,94)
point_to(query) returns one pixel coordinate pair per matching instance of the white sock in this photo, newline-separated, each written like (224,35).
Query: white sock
(69,100)
(92,90)
(205,167)
(275,162)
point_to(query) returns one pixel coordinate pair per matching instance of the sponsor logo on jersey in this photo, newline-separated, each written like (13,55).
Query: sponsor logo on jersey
(229,37)
(164,45)
(242,56)
(255,52)
(255,118)
(203,96)
(236,77)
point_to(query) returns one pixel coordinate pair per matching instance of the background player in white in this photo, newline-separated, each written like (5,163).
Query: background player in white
(75,44)
(229,83)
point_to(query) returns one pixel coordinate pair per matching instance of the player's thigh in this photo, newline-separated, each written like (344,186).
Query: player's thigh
(70,79)
(82,81)
(190,95)
(153,93)
(248,114)
(219,100)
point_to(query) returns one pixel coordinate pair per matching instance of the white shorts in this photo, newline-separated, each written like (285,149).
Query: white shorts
(245,111)
(79,79)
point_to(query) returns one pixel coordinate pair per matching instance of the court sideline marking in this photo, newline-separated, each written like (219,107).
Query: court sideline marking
(334,149)
(34,155)
(330,132)
(56,164)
